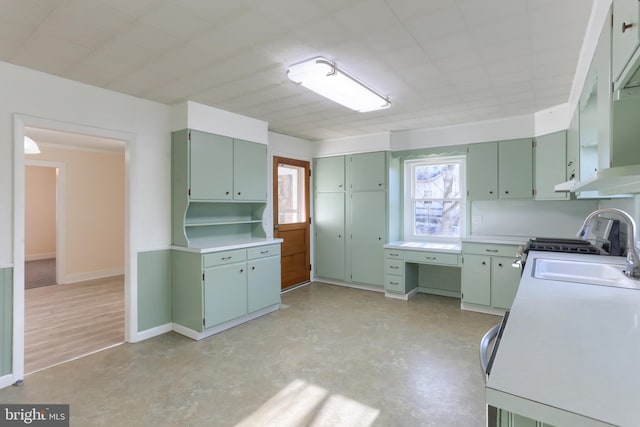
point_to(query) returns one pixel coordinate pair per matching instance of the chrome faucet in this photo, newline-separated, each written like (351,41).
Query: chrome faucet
(633,264)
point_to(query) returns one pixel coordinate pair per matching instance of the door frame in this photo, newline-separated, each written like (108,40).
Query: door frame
(20,121)
(306,164)
(61,213)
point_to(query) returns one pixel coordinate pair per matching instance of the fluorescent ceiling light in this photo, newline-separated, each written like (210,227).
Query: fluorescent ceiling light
(323,77)
(30,146)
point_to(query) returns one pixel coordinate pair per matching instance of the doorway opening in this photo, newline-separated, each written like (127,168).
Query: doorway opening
(291,219)
(74,223)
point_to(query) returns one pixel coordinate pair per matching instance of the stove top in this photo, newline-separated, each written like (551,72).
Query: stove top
(548,244)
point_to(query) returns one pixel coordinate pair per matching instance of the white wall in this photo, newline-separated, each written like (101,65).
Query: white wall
(355,144)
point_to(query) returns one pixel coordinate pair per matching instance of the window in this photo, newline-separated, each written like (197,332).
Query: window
(434,205)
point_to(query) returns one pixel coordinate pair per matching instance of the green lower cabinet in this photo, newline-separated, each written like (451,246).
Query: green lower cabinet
(225,293)
(488,278)
(504,282)
(263,283)
(367,237)
(330,239)
(476,279)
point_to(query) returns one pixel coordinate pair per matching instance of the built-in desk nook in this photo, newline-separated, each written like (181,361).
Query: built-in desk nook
(412,267)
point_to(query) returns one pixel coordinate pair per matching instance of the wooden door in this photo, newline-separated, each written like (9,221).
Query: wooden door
(291,218)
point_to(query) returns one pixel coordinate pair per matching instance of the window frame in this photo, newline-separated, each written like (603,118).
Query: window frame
(409,201)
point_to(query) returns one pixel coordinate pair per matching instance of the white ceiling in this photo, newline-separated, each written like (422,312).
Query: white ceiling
(441,62)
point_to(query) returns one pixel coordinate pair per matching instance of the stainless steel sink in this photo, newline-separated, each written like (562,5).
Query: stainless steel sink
(583,272)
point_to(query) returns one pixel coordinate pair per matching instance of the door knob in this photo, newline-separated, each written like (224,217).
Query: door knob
(276,227)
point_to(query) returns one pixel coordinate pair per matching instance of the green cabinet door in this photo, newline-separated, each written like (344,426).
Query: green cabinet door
(551,165)
(263,283)
(625,41)
(367,171)
(573,147)
(515,169)
(367,237)
(225,293)
(210,166)
(504,282)
(329,174)
(476,279)
(249,171)
(330,239)
(482,171)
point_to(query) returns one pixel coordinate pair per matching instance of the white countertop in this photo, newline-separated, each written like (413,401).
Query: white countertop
(425,246)
(208,247)
(570,347)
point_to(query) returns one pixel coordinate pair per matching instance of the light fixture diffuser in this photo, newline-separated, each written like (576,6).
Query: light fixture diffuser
(30,146)
(325,78)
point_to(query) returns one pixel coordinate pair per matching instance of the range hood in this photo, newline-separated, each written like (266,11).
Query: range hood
(612,181)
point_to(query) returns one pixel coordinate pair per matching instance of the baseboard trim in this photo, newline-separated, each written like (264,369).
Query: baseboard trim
(441,292)
(195,335)
(480,309)
(7,380)
(38,257)
(349,285)
(93,275)
(153,332)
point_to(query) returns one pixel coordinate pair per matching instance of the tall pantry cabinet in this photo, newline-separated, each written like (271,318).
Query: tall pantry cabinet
(351,220)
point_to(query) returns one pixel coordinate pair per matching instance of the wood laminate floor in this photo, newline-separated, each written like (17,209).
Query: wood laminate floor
(64,322)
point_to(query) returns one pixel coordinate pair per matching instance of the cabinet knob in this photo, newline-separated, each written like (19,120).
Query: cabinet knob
(254,267)
(226,193)
(380,185)
(506,192)
(499,264)
(340,236)
(242,270)
(491,192)
(484,263)
(379,238)
(239,193)
(626,26)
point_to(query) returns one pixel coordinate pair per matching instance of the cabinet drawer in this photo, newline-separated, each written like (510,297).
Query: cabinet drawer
(490,249)
(431,258)
(226,257)
(393,254)
(394,267)
(394,283)
(263,251)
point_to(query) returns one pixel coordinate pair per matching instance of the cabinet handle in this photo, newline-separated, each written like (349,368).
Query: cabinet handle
(225,258)
(394,283)
(339,236)
(379,238)
(395,267)
(239,193)
(484,263)
(242,270)
(380,185)
(339,185)
(491,192)
(430,257)
(253,268)
(226,193)
(626,26)
(499,264)
(264,252)
(506,192)
(492,250)
(394,254)
(570,163)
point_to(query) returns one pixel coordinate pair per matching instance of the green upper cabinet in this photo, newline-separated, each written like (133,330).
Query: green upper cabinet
(368,171)
(573,147)
(482,171)
(515,169)
(551,165)
(500,170)
(329,174)
(249,171)
(211,167)
(625,55)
